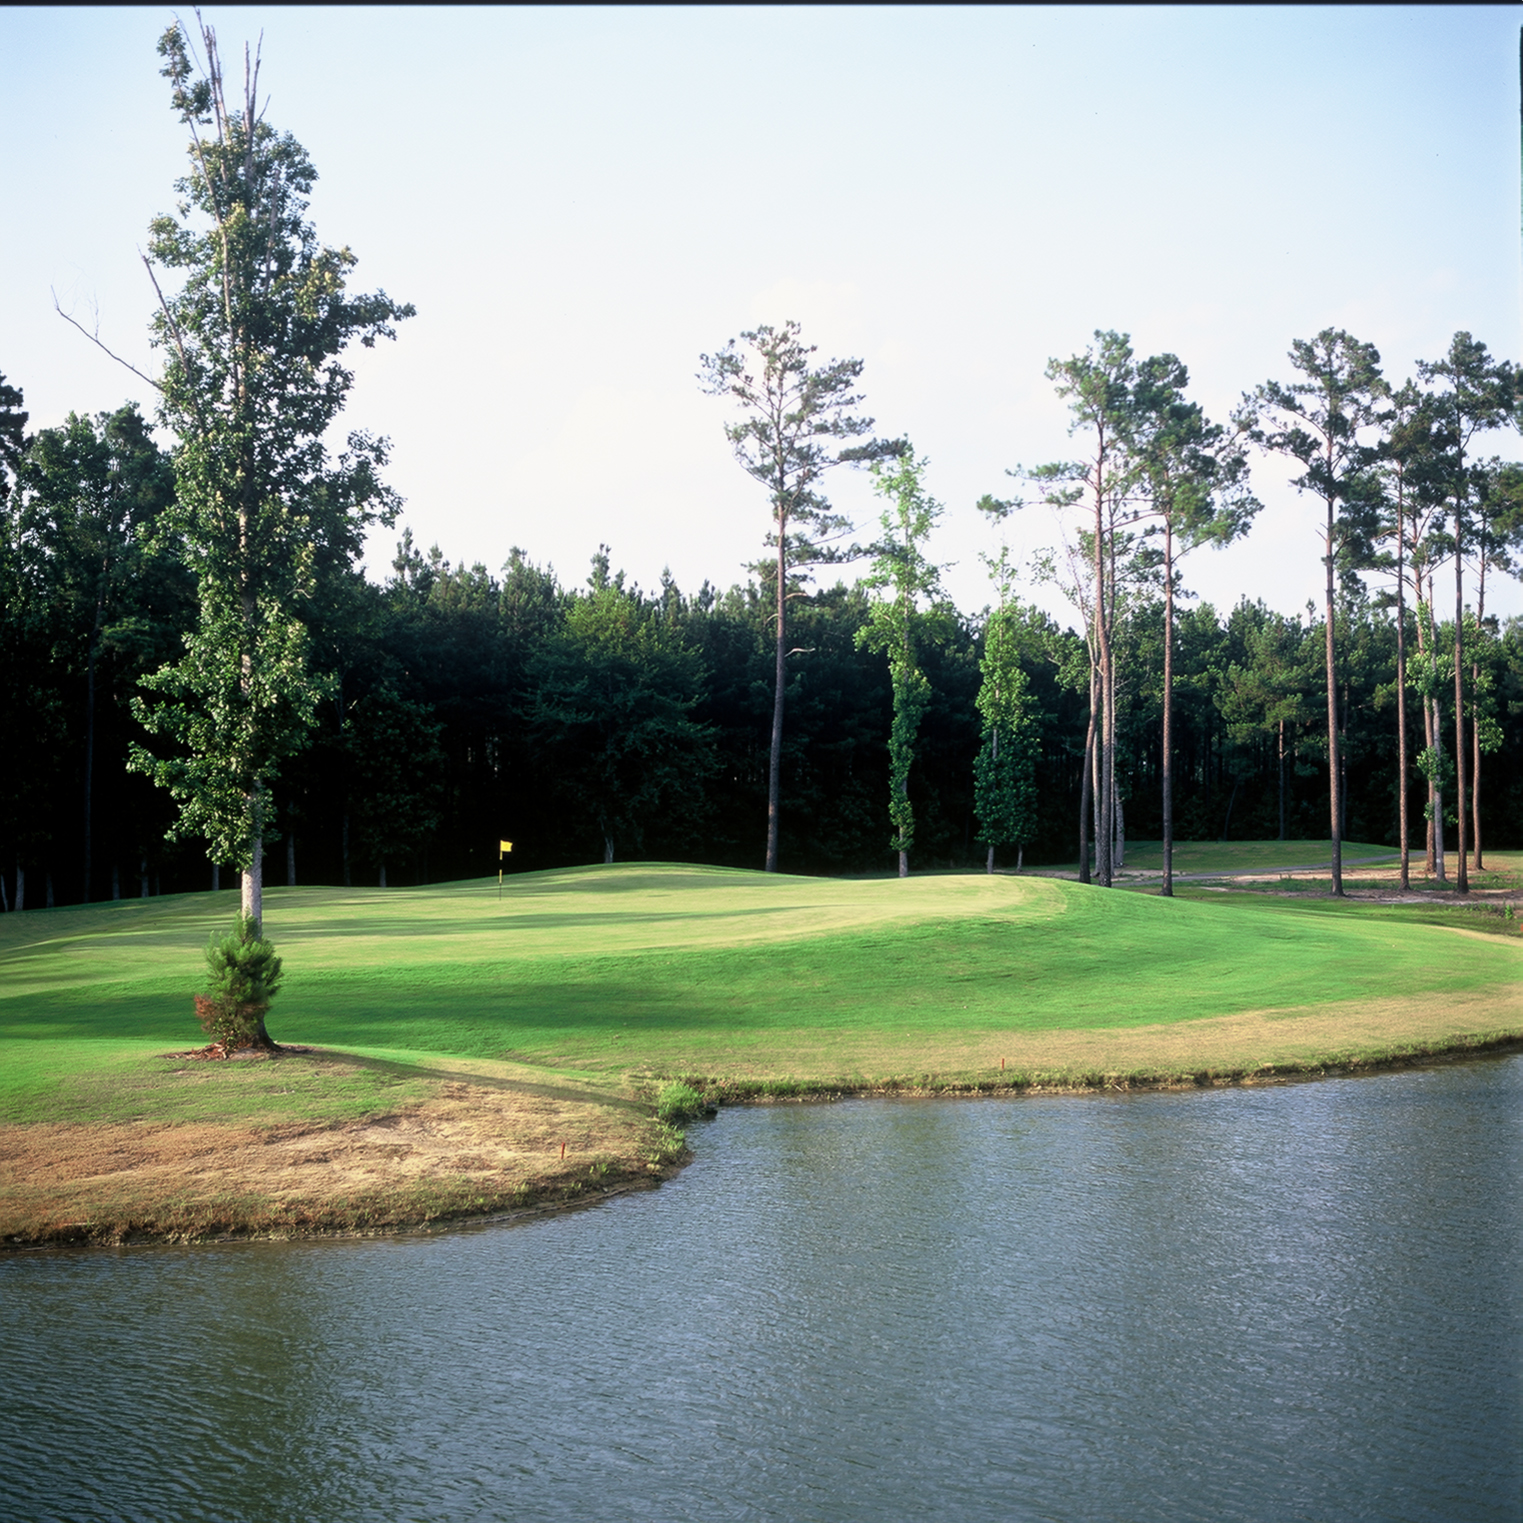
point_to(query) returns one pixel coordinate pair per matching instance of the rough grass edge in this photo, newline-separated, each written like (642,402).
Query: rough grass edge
(420,1206)
(719,1090)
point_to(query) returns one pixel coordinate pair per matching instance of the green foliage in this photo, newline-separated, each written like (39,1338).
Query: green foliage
(679,1102)
(905,578)
(251,384)
(396,765)
(614,693)
(244,976)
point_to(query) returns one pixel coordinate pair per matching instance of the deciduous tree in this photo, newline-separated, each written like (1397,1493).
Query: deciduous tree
(252,382)
(904,578)
(1004,771)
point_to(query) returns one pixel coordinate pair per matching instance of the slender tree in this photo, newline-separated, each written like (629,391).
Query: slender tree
(252,382)
(1474,395)
(1097,385)
(1193,481)
(904,578)
(796,419)
(1319,422)
(1004,771)
(1406,454)
(1497,536)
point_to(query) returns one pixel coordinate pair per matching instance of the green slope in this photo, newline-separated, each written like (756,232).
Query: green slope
(652,967)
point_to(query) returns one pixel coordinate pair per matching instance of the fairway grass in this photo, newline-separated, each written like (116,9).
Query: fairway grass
(551,1014)
(1213,857)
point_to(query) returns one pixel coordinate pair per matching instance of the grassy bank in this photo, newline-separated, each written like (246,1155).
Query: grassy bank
(549,1017)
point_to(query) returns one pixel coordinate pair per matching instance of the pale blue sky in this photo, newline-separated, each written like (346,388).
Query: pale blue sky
(579,201)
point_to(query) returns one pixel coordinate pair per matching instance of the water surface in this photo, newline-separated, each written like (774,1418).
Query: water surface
(1301,1302)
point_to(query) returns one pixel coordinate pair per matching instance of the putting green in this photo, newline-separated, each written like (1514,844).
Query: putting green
(649,967)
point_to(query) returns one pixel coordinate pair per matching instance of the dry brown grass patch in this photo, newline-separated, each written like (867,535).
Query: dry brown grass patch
(475,1147)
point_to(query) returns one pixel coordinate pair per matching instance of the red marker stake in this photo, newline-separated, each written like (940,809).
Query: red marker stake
(563,1150)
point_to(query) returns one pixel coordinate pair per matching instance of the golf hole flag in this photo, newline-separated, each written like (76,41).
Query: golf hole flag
(503,847)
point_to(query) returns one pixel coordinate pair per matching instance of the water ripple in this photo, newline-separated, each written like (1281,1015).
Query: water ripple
(1277,1304)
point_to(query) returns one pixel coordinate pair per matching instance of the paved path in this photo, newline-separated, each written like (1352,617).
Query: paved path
(1273,872)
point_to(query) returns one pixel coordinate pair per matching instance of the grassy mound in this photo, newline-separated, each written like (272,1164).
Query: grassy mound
(687,969)
(471,1053)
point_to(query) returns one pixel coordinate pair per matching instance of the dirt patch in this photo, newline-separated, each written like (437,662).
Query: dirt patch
(474,1148)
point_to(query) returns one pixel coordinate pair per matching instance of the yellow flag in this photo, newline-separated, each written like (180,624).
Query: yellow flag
(503,846)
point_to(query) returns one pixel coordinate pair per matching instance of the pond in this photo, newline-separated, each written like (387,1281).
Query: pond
(1291,1302)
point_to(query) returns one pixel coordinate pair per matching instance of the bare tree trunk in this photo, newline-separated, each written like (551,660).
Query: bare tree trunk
(290,858)
(383,875)
(216,877)
(143,877)
(775,755)
(1107,731)
(1401,717)
(1168,709)
(5,898)
(1231,800)
(904,864)
(1282,780)
(1086,787)
(90,745)
(1461,878)
(251,899)
(20,885)
(608,850)
(1436,795)
(1334,760)
(1475,720)
(989,864)
(1118,822)
(1020,855)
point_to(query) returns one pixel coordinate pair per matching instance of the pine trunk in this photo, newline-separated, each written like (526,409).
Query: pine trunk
(1401,709)
(1168,710)
(1334,759)
(1086,787)
(775,754)
(1282,780)
(1107,729)
(1475,728)
(1461,876)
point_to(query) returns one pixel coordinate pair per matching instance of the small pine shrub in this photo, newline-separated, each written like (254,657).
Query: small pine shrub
(244,977)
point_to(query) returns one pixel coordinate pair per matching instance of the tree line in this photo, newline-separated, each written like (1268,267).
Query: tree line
(195,669)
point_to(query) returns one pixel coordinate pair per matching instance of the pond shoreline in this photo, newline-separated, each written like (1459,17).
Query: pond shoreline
(387,1213)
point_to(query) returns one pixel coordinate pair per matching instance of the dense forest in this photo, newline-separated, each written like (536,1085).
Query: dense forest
(196,677)
(608,722)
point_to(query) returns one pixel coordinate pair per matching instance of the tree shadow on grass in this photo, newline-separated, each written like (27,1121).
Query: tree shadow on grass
(397,1069)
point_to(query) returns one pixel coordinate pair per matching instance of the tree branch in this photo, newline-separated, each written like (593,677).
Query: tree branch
(95,339)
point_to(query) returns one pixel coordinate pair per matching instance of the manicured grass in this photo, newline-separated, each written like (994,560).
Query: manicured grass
(656,969)
(1245,856)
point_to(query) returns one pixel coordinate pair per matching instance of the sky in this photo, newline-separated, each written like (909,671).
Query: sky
(582,201)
